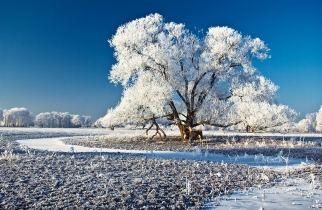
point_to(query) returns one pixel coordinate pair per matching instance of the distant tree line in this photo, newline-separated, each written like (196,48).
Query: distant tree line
(61,120)
(22,117)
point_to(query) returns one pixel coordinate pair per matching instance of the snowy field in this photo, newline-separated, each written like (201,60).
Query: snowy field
(281,182)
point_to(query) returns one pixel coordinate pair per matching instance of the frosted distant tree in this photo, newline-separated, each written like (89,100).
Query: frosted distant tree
(66,120)
(44,120)
(77,121)
(80,121)
(17,117)
(169,72)
(319,120)
(86,121)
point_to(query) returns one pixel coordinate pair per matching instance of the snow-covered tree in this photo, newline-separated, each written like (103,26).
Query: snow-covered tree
(44,120)
(17,117)
(80,121)
(319,120)
(66,120)
(86,121)
(77,120)
(169,72)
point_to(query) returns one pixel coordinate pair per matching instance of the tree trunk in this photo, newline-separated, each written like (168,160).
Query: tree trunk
(177,120)
(182,129)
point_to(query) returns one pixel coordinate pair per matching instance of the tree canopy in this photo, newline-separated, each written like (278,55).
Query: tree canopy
(190,79)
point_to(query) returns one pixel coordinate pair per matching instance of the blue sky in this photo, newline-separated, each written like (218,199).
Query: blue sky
(54,54)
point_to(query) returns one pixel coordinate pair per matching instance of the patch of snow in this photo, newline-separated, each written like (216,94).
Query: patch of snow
(294,194)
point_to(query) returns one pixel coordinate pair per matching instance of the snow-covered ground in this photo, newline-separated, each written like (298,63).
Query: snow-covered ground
(290,194)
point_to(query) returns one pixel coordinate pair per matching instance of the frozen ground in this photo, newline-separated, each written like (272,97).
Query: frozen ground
(297,187)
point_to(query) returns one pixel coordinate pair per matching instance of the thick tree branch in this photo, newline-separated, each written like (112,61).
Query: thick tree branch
(186,82)
(181,96)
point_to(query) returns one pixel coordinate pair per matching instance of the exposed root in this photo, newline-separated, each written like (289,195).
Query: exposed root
(158,131)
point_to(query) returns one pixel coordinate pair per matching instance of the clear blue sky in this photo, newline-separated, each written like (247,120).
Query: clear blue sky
(54,54)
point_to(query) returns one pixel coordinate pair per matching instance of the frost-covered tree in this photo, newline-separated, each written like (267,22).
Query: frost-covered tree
(86,121)
(66,120)
(44,120)
(80,121)
(17,117)
(319,120)
(77,120)
(169,72)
